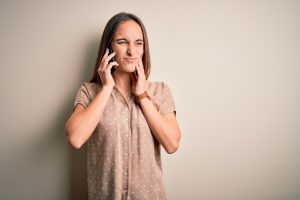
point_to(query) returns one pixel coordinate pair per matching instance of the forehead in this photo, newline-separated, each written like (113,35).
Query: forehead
(129,29)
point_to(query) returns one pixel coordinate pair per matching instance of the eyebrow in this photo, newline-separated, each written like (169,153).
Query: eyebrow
(120,39)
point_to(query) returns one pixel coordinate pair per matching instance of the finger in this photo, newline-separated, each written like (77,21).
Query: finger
(110,65)
(102,59)
(106,59)
(105,54)
(137,70)
(141,69)
(141,65)
(109,57)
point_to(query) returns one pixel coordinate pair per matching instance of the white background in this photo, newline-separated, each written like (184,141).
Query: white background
(233,68)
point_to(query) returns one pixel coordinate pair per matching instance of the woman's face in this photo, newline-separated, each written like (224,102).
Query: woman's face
(128,44)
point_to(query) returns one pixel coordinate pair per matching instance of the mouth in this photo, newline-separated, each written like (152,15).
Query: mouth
(130,59)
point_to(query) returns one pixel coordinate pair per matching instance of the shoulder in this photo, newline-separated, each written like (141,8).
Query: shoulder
(161,96)
(90,86)
(157,87)
(91,89)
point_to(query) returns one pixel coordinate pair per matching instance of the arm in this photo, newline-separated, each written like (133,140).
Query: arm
(83,122)
(164,127)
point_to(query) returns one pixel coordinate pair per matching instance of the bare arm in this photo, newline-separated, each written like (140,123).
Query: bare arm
(164,127)
(83,122)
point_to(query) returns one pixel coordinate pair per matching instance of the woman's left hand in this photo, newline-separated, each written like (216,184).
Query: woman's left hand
(139,83)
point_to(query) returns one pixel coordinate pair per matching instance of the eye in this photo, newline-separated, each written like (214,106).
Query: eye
(139,43)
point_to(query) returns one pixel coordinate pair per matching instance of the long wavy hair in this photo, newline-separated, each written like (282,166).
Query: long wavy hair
(107,37)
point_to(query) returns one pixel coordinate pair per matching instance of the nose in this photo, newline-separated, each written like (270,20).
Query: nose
(130,49)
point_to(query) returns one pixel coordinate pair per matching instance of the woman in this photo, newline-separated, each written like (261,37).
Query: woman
(124,117)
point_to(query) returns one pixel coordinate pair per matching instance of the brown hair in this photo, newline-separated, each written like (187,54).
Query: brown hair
(106,39)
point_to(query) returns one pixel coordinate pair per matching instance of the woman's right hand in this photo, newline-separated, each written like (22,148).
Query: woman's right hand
(104,69)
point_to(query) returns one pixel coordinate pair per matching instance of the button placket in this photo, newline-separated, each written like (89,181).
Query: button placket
(126,155)
(126,142)
(130,111)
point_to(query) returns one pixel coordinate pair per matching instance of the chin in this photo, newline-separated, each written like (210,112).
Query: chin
(127,68)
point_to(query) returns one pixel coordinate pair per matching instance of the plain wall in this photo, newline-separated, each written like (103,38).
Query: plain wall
(233,68)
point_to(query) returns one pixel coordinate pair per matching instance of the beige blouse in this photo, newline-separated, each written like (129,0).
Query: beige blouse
(123,157)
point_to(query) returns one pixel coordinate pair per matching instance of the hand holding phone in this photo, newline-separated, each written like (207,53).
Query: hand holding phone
(113,69)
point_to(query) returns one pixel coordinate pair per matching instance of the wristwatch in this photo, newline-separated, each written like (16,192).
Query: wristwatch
(141,96)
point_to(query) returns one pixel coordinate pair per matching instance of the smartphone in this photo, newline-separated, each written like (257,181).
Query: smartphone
(113,69)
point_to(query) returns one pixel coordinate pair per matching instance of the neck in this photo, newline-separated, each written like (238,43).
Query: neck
(123,82)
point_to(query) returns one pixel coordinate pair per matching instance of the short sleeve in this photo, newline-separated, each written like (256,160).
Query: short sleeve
(82,97)
(167,103)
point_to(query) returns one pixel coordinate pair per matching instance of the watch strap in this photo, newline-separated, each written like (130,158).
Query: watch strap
(142,96)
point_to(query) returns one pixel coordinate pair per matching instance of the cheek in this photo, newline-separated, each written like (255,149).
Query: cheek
(118,55)
(141,52)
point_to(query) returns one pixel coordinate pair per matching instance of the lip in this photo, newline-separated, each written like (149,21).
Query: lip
(130,59)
